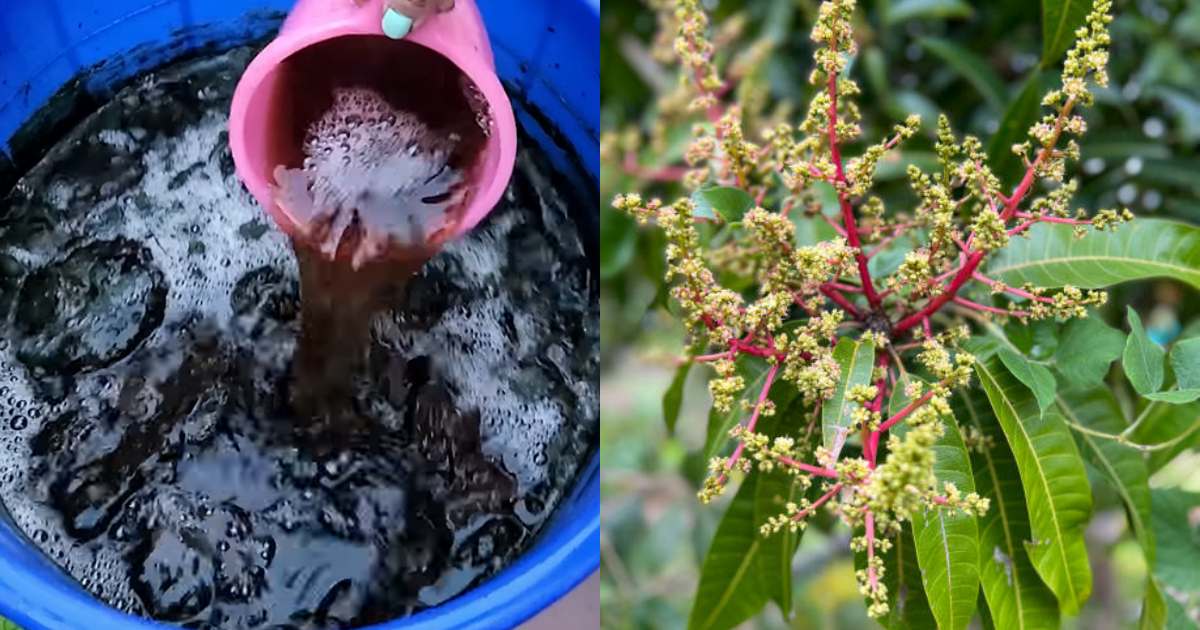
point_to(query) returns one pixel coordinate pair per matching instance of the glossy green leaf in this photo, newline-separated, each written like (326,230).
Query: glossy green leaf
(1022,112)
(1055,483)
(1016,597)
(1185,362)
(1051,256)
(947,541)
(1060,18)
(730,204)
(1175,396)
(1037,378)
(1142,359)
(1123,467)
(1178,538)
(926,9)
(729,591)
(1088,348)
(856,359)
(673,398)
(969,66)
(774,490)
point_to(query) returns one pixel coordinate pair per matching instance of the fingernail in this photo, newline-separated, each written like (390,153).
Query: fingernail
(395,24)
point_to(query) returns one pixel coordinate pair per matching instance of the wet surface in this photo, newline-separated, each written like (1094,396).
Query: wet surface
(150,319)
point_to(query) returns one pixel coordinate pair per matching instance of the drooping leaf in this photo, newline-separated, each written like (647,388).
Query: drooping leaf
(1055,483)
(1123,467)
(1185,362)
(927,9)
(1088,348)
(1037,378)
(1154,607)
(857,359)
(1178,537)
(729,591)
(971,67)
(1016,597)
(947,541)
(730,204)
(1060,18)
(1143,359)
(1014,125)
(1051,256)
(673,398)
(1176,396)
(775,489)
(1165,423)
(618,242)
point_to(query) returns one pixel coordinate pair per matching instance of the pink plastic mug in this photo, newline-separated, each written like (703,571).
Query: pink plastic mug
(329,43)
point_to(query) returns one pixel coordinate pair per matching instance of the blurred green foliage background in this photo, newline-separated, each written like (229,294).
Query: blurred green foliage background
(971,60)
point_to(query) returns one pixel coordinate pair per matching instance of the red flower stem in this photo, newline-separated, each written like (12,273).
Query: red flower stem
(841,286)
(818,503)
(808,468)
(663,174)
(750,424)
(1013,290)
(852,236)
(904,413)
(716,356)
(841,231)
(872,579)
(871,443)
(1026,215)
(989,309)
(841,301)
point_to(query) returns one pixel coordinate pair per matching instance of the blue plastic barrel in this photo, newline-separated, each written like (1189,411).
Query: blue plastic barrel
(547,52)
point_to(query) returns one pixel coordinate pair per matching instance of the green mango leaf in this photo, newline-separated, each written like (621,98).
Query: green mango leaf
(673,398)
(1016,597)
(1055,483)
(1123,467)
(730,204)
(969,66)
(857,360)
(1176,396)
(730,591)
(1060,18)
(1163,423)
(1154,607)
(1022,112)
(1178,538)
(926,9)
(618,242)
(1037,378)
(1051,256)
(1185,362)
(1088,348)
(1143,359)
(947,541)
(775,489)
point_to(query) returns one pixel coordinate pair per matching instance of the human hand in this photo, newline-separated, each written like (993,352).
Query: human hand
(400,16)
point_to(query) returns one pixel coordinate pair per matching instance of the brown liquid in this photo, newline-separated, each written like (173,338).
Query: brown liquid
(336,306)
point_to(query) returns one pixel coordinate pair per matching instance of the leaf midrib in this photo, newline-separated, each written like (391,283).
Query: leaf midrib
(1005,527)
(747,560)
(1058,260)
(1062,22)
(1061,542)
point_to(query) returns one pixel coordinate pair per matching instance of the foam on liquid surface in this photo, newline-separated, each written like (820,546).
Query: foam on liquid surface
(150,315)
(369,163)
